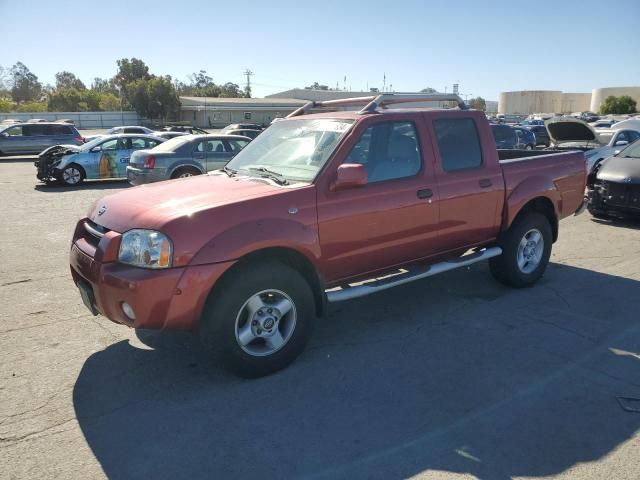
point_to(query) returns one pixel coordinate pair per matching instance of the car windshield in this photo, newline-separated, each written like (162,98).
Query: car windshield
(89,145)
(632,151)
(173,144)
(294,149)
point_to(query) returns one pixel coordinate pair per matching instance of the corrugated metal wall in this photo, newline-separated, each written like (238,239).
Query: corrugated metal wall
(81,119)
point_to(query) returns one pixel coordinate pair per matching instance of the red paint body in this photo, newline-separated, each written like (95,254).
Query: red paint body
(214,220)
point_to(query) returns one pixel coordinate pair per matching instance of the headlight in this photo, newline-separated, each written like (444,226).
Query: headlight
(145,248)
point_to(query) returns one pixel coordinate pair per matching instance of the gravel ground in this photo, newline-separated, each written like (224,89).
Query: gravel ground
(451,377)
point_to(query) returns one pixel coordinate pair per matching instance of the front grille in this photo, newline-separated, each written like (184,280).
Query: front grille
(622,194)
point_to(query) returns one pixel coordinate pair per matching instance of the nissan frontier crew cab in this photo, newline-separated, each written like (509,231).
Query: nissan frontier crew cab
(322,207)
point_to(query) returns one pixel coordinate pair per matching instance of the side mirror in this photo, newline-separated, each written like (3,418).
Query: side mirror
(5,135)
(350,175)
(96,149)
(620,143)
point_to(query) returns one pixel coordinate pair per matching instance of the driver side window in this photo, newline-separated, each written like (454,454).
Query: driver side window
(110,145)
(388,151)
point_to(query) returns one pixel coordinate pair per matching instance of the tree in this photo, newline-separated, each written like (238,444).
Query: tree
(618,105)
(68,80)
(130,71)
(109,102)
(65,100)
(24,84)
(478,103)
(32,107)
(316,86)
(5,105)
(428,90)
(154,98)
(104,85)
(230,90)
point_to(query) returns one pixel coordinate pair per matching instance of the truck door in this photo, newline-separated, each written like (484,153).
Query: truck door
(392,219)
(471,186)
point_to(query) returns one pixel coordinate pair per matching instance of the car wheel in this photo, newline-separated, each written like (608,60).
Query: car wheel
(185,172)
(526,248)
(528,147)
(72,175)
(258,319)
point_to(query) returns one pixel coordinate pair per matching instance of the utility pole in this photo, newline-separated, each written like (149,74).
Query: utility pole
(248,73)
(384,82)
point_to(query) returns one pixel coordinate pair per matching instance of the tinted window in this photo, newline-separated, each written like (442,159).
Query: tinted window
(633,136)
(502,133)
(388,151)
(458,143)
(34,130)
(133,130)
(14,131)
(60,130)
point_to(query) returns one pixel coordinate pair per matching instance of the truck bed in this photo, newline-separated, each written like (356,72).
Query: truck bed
(559,175)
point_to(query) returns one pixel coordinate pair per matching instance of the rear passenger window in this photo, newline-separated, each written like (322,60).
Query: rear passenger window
(138,143)
(34,130)
(59,130)
(458,143)
(388,150)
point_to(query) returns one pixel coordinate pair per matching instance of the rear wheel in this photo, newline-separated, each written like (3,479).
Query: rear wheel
(184,172)
(72,175)
(529,147)
(526,248)
(260,319)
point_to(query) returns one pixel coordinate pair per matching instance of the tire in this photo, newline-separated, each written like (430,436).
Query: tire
(514,268)
(528,147)
(72,175)
(236,312)
(184,172)
(599,214)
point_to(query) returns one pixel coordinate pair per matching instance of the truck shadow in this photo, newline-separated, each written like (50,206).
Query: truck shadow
(86,185)
(454,373)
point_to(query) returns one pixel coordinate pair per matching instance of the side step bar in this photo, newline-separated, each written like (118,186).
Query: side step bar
(349,292)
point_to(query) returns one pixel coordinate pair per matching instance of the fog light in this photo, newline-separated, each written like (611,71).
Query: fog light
(128,311)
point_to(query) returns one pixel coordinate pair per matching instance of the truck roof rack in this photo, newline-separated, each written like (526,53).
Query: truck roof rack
(372,103)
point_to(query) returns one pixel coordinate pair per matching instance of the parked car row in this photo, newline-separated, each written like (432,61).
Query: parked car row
(141,158)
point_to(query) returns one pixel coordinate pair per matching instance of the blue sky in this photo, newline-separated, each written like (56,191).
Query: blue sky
(486,46)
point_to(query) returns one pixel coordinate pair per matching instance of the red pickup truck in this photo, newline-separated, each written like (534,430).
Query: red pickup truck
(321,207)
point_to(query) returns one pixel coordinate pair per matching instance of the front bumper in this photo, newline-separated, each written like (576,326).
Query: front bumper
(170,298)
(140,176)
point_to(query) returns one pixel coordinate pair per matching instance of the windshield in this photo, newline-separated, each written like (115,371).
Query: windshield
(89,145)
(294,149)
(632,151)
(173,144)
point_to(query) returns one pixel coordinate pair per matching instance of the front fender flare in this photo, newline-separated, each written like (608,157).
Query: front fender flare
(245,238)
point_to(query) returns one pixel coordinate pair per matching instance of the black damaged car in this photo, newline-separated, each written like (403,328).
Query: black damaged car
(614,185)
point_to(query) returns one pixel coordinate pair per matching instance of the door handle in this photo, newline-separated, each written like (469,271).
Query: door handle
(425,193)
(485,183)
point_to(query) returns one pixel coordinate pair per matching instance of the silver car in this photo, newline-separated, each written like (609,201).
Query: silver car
(183,156)
(33,138)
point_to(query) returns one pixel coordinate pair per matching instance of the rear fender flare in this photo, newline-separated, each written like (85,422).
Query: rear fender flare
(530,189)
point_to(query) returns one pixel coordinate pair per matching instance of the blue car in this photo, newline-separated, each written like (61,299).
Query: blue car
(104,157)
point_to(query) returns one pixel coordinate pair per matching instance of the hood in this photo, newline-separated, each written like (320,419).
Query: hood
(562,130)
(154,205)
(620,170)
(57,149)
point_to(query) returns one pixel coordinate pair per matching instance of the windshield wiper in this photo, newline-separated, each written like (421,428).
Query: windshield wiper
(229,171)
(275,176)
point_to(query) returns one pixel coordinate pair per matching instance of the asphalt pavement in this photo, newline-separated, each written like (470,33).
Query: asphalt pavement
(451,377)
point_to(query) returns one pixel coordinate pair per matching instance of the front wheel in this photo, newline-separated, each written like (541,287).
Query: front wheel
(528,147)
(71,176)
(258,319)
(526,248)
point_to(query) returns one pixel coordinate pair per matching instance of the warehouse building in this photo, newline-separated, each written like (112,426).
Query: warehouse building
(216,112)
(554,101)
